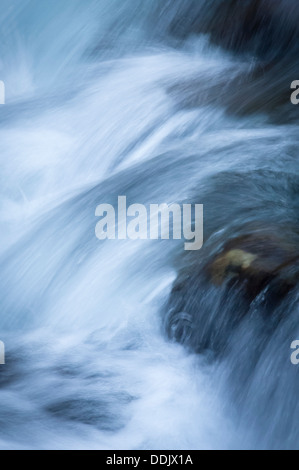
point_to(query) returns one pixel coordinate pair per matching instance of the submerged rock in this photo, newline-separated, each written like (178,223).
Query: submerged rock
(231,262)
(264,28)
(257,260)
(250,278)
(266,34)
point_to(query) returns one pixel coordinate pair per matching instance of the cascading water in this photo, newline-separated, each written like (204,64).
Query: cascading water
(129,344)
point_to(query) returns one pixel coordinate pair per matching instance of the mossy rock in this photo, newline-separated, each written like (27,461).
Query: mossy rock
(256,260)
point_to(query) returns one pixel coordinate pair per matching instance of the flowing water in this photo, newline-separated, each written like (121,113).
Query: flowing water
(103,99)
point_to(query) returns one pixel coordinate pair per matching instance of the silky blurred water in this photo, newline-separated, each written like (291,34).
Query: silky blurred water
(102,101)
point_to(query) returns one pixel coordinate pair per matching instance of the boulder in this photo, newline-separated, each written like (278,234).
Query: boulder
(264,28)
(256,260)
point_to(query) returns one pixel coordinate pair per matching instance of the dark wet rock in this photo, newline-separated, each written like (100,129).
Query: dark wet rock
(264,28)
(252,275)
(264,89)
(257,260)
(265,34)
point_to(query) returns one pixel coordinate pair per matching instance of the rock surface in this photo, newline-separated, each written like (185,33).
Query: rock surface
(257,260)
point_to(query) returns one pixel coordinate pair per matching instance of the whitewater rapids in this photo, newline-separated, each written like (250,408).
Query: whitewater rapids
(101,101)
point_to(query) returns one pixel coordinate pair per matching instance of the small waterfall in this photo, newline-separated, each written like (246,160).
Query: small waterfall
(139,344)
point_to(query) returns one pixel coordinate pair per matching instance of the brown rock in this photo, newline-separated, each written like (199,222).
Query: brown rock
(257,260)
